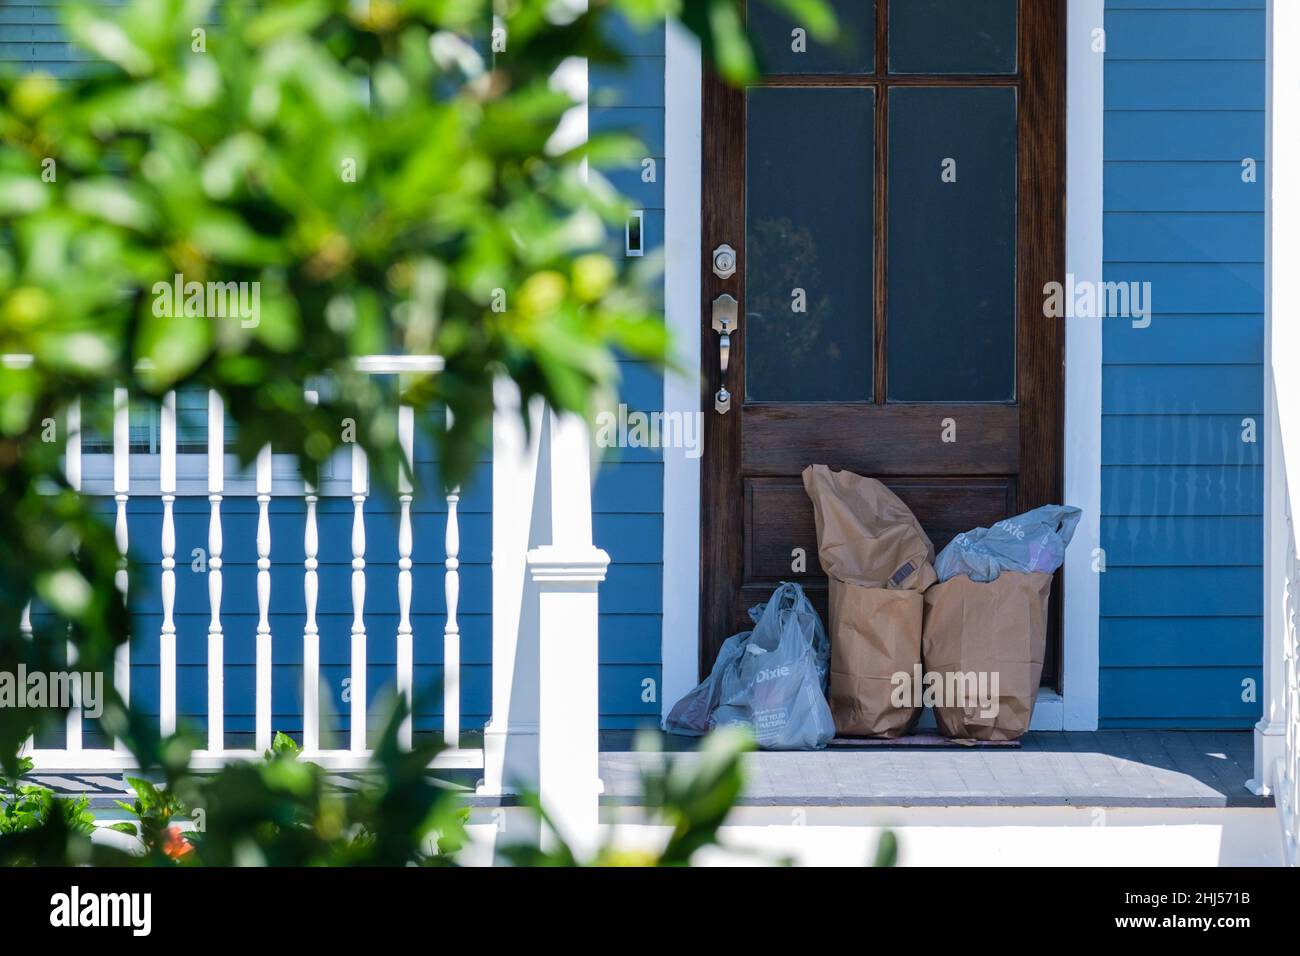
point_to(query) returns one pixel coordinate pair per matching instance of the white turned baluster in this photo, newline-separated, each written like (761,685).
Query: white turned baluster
(405,641)
(358,688)
(121,489)
(25,629)
(311,635)
(72,468)
(263,726)
(451,631)
(216,647)
(167,644)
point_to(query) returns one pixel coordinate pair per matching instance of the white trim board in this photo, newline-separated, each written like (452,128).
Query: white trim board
(1083,258)
(1084,124)
(682,202)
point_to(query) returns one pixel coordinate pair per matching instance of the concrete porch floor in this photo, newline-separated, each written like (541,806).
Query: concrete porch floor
(1120,768)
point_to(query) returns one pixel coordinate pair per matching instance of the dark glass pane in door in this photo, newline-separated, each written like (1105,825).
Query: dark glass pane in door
(951,277)
(807,324)
(953,36)
(785,46)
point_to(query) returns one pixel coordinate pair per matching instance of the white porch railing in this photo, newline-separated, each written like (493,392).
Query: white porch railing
(1286,768)
(544,701)
(75,756)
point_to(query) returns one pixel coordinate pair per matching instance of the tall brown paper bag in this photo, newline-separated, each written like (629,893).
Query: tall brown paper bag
(878,561)
(875,634)
(985,628)
(865,534)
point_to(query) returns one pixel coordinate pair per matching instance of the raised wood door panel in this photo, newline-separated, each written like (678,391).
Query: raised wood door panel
(877,253)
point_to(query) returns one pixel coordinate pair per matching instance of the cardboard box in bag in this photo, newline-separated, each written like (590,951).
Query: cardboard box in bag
(983,647)
(878,561)
(875,635)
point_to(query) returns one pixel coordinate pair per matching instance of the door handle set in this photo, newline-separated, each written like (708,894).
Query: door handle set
(725,322)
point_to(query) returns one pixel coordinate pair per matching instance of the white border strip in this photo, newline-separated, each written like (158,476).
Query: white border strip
(1085,118)
(682,206)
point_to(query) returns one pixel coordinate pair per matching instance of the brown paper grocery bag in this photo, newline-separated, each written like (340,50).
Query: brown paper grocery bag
(875,635)
(975,630)
(865,534)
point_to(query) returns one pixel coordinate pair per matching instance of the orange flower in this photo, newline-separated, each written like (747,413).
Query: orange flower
(175,845)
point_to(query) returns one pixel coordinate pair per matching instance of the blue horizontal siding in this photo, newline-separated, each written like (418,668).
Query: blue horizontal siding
(628,495)
(1182,389)
(1183,85)
(631,38)
(1199,288)
(1183,186)
(638,81)
(1178,34)
(1184,237)
(1181,592)
(646,124)
(1185,4)
(1177,490)
(1186,340)
(1184,135)
(1181,641)
(1177,440)
(1182,482)
(1209,694)
(1183,540)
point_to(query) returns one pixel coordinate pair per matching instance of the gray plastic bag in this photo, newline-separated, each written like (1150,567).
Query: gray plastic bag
(1033,541)
(692,714)
(771,679)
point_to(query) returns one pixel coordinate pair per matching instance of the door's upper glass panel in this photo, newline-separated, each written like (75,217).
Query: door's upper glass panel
(785,46)
(951,277)
(807,313)
(952,36)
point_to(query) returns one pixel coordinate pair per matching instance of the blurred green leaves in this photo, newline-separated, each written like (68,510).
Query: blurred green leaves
(390,181)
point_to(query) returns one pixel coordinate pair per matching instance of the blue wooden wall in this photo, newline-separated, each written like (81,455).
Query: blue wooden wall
(1182,491)
(628,497)
(30,35)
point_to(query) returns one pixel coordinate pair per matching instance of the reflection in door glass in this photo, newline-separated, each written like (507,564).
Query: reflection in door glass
(785,46)
(951,278)
(952,36)
(807,323)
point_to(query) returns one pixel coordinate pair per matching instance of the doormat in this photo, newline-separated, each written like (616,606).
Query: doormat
(925,740)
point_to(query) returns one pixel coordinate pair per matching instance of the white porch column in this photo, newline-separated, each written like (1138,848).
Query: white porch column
(1270,730)
(1281,388)
(545,710)
(510,736)
(543,733)
(566,572)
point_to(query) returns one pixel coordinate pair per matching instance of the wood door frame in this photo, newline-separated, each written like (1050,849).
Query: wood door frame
(1040,258)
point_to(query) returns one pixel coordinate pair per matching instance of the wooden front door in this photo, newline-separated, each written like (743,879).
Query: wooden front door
(895,207)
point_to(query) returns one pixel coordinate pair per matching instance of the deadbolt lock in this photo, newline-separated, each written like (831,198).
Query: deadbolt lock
(724,261)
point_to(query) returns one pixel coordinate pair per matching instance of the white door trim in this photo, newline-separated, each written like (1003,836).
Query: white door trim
(1084,125)
(682,199)
(1083,258)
